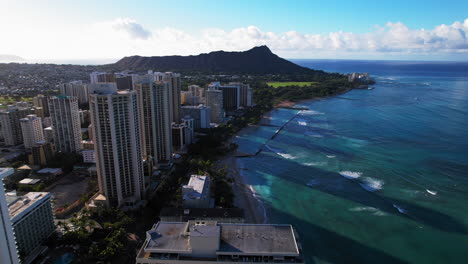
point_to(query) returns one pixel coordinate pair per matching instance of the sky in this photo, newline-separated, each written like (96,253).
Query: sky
(105,31)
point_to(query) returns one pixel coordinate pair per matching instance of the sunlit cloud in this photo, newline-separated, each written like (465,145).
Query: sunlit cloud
(125,36)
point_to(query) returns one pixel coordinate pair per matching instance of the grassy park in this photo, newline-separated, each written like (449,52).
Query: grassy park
(283,84)
(7,100)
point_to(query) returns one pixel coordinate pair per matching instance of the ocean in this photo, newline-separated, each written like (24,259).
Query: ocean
(371,176)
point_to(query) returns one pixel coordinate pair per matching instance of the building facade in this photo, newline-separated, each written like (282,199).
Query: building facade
(42,153)
(214,100)
(156,122)
(66,123)
(77,89)
(118,149)
(8,250)
(200,115)
(31,127)
(205,242)
(102,77)
(42,101)
(32,219)
(174,81)
(11,126)
(196,193)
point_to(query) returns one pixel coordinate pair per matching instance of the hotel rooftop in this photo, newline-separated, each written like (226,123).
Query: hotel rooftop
(213,242)
(21,205)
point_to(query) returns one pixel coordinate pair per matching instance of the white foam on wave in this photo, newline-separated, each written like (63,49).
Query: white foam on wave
(313,134)
(371,184)
(302,122)
(280,153)
(310,112)
(350,174)
(431,192)
(311,164)
(401,210)
(258,198)
(331,156)
(370,209)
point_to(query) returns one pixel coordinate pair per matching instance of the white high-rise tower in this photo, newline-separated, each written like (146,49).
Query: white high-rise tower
(31,127)
(66,123)
(156,118)
(115,117)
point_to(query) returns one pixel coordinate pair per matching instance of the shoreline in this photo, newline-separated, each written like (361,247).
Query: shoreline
(291,104)
(245,196)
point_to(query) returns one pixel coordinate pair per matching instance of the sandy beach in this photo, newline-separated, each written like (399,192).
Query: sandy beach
(244,195)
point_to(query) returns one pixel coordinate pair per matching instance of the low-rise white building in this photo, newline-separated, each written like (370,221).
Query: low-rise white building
(196,194)
(213,242)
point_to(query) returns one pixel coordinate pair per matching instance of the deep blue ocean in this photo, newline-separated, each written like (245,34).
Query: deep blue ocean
(371,176)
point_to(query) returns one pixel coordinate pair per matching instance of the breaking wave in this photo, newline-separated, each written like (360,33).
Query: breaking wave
(351,174)
(310,112)
(371,184)
(280,152)
(302,122)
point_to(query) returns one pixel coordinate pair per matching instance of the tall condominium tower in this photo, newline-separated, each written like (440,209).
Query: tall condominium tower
(231,95)
(42,101)
(8,251)
(66,123)
(75,88)
(156,118)
(173,79)
(245,94)
(115,117)
(98,77)
(31,127)
(11,127)
(197,90)
(214,100)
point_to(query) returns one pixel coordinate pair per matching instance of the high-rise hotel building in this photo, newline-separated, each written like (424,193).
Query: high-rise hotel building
(11,127)
(115,116)
(231,95)
(8,250)
(174,81)
(214,100)
(77,89)
(31,127)
(66,123)
(155,107)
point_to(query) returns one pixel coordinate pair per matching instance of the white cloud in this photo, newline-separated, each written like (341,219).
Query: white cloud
(125,36)
(133,29)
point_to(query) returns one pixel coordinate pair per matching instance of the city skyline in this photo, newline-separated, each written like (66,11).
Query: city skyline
(334,30)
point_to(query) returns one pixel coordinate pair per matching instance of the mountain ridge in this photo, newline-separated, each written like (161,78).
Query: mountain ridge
(258,60)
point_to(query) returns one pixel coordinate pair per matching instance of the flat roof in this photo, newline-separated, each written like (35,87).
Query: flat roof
(167,237)
(238,239)
(258,239)
(197,183)
(50,170)
(5,172)
(20,204)
(29,181)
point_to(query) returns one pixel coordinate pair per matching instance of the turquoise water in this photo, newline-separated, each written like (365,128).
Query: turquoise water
(387,170)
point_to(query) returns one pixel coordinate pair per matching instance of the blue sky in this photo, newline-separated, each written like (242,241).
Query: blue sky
(424,30)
